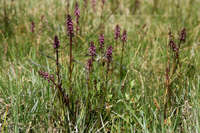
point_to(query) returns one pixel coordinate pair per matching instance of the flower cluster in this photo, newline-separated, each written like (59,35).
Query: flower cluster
(46,76)
(183,35)
(174,47)
(124,36)
(101,41)
(77,11)
(56,42)
(109,54)
(89,65)
(70,26)
(92,49)
(117,32)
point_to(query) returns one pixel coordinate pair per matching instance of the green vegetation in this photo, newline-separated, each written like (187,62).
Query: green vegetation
(153,87)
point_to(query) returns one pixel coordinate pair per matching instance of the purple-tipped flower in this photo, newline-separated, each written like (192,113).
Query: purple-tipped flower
(124,36)
(77,12)
(92,49)
(56,42)
(183,35)
(117,32)
(174,48)
(89,65)
(101,41)
(172,45)
(32,27)
(70,26)
(46,76)
(109,54)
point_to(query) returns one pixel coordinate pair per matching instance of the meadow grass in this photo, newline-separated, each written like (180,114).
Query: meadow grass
(103,99)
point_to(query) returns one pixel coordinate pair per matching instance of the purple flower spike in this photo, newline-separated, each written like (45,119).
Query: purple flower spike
(77,11)
(101,41)
(70,26)
(46,76)
(183,35)
(89,64)
(56,42)
(124,36)
(117,32)
(173,45)
(92,49)
(109,54)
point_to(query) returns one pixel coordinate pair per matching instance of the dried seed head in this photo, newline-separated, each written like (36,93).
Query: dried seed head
(56,42)
(70,26)
(117,32)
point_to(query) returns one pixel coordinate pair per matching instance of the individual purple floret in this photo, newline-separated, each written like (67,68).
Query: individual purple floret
(124,36)
(117,32)
(92,49)
(109,54)
(183,35)
(56,42)
(89,64)
(101,41)
(70,26)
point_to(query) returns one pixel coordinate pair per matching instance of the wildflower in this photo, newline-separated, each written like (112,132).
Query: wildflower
(117,32)
(70,26)
(109,54)
(101,41)
(183,35)
(174,48)
(92,49)
(56,42)
(89,64)
(46,76)
(77,11)
(124,36)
